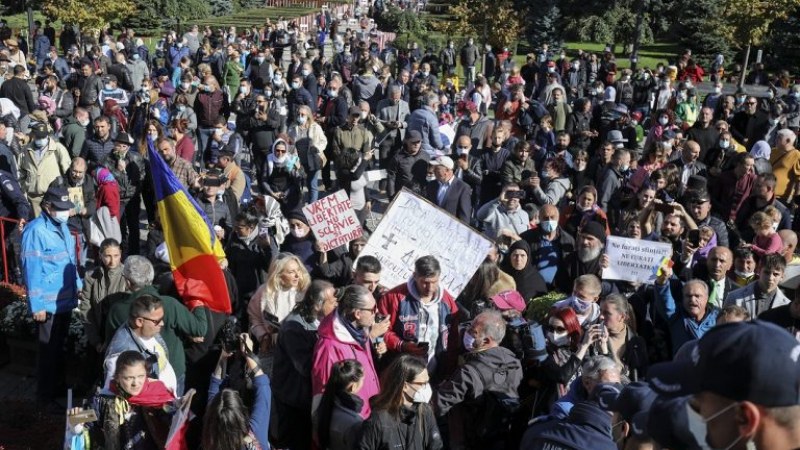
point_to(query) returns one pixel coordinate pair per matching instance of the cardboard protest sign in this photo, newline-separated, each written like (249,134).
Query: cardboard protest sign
(333,220)
(635,259)
(412,228)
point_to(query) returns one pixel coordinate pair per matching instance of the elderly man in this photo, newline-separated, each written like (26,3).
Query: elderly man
(476,126)
(182,169)
(763,294)
(82,189)
(448,192)
(689,163)
(785,161)
(504,215)
(704,133)
(393,112)
(43,160)
(422,319)
(690,319)
(757,408)
(549,243)
(50,271)
(409,167)
(424,121)
(344,334)
(588,258)
(176,319)
(713,272)
(489,370)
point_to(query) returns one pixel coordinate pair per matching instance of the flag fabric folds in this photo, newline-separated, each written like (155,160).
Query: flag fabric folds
(194,250)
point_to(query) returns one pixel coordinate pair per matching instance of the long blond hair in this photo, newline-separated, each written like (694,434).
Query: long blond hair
(274,276)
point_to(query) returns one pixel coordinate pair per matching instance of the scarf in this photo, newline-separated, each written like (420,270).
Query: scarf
(154,395)
(358,334)
(107,191)
(530,283)
(111,109)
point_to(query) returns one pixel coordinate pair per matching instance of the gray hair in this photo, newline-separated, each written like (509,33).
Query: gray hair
(492,325)
(787,133)
(700,283)
(353,297)
(430,98)
(138,271)
(594,366)
(394,89)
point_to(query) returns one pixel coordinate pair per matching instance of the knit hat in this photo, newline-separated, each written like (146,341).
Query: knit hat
(297,215)
(596,230)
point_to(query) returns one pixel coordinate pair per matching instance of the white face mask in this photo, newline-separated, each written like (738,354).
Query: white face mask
(430,177)
(154,136)
(295,85)
(698,426)
(299,232)
(548,225)
(107,87)
(775,226)
(306,73)
(717,90)
(218,131)
(84,123)
(61,216)
(558,339)
(742,274)
(363,115)
(40,143)
(186,86)
(301,120)
(724,144)
(424,394)
(663,121)
(244,90)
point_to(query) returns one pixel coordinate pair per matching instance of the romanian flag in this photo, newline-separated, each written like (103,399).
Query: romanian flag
(194,251)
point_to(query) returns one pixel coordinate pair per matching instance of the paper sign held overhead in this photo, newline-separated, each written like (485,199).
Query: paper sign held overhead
(635,260)
(412,228)
(333,220)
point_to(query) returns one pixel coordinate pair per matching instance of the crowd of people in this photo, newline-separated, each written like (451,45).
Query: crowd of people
(546,158)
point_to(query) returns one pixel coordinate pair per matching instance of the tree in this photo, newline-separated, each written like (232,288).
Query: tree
(220,7)
(89,15)
(746,22)
(496,22)
(702,29)
(164,13)
(544,22)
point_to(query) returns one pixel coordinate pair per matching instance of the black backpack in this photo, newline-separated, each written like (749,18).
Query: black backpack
(495,411)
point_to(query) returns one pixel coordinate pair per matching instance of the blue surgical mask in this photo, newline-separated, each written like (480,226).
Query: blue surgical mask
(548,226)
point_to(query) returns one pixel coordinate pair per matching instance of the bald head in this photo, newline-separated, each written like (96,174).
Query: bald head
(464,141)
(789,239)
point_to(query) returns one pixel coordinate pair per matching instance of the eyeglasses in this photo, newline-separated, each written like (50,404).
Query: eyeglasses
(373,310)
(156,322)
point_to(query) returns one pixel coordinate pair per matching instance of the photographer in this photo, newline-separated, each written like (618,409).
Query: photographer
(504,213)
(226,425)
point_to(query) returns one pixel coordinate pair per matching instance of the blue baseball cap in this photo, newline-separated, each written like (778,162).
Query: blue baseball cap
(752,361)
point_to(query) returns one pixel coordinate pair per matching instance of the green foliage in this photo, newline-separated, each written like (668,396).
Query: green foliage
(543,22)
(220,7)
(153,15)
(496,22)
(538,307)
(396,20)
(783,42)
(89,15)
(702,30)
(613,23)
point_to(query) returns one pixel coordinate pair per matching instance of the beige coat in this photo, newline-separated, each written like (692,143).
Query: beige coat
(36,175)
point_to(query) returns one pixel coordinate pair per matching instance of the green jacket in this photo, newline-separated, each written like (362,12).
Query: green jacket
(176,318)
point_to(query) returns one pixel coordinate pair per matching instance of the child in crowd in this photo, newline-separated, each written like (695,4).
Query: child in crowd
(766,240)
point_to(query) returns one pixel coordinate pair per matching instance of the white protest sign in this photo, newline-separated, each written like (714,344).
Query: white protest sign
(333,220)
(412,228)
(634,259)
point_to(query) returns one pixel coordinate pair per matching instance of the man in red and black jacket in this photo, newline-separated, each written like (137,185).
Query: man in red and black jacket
(423,319)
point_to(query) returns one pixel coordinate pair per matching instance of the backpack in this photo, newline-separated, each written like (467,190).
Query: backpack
(495,414)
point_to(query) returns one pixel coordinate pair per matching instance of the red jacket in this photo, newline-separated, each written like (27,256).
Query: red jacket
(402,307)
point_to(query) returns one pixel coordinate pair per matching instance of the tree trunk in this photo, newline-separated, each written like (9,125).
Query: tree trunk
(744,66)
(637,35)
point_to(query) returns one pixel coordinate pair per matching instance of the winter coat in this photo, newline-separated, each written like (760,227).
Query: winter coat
(337,344)
(414,429)
(50,266)
(36,176)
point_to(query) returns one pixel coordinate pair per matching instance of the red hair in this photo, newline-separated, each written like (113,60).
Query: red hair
(570,319)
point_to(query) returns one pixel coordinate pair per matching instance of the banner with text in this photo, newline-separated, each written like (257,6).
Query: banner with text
(333,220)
(412,228)
(635,260)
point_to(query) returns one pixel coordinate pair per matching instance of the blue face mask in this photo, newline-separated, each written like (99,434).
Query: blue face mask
(548,226)
(61,216)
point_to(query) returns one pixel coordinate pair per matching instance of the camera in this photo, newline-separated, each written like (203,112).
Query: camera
(229,335)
